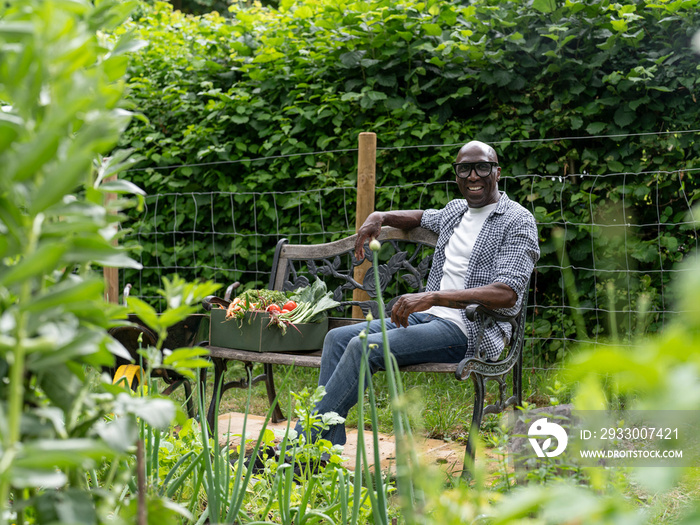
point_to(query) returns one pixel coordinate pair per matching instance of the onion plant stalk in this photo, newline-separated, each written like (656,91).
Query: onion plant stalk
(405,451)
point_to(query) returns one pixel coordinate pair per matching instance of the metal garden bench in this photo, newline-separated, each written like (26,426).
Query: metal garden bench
(405,260)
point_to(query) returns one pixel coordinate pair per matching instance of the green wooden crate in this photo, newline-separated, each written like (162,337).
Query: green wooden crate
(251,333)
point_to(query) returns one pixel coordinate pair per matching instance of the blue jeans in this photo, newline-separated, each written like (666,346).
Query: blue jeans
(427,339)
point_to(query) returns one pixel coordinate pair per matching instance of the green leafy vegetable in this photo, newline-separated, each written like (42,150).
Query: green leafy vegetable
(263,298)
(317,298)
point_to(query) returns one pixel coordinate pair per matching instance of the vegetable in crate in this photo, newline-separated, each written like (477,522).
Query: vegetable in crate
(306,305)
(312,303)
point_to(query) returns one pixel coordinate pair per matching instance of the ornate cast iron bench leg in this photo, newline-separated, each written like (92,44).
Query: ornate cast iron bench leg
(173,385)
(191,412)
(517,399)
(220,387)
(277,415)
(220,366)
(477,416)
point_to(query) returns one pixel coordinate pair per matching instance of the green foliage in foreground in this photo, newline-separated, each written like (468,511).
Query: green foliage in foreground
(579,98)
(60,89)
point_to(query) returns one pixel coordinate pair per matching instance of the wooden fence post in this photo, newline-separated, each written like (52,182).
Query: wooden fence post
(111,275)
(366,180)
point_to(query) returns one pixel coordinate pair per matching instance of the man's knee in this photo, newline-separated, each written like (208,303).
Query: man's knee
(377,360)
(333,346)
(357,349)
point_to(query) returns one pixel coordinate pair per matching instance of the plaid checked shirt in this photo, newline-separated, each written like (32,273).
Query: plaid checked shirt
(505,251)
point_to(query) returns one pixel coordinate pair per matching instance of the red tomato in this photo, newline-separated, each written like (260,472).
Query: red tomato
(290,305)
(285,311)
(273,308)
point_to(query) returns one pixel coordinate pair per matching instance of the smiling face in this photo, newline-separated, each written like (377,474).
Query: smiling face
(479,191)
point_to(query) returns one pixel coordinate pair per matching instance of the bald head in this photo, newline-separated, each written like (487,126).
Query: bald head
(476,147)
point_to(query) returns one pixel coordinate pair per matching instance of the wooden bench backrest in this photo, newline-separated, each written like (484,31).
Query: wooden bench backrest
(404,263)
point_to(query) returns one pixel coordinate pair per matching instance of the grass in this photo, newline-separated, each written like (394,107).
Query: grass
(669,506)
(442,406)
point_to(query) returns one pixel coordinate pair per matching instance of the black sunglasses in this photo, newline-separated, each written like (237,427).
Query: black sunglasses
(464,169)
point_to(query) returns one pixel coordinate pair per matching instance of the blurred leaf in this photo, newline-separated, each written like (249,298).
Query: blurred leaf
(595,128)
(119,160)
(160,510)
(115,67)
(61,453)
(432,29)
(184,360)
(14,28)
(65,293)
(42,261)
(10,127)
(60,179)
(544,6)
(67,506)
(631,370)
(121,186)
(27,478)
(61,386)
(117,349)
(84,344)
(97,249)
(109,14)
(185,354)
(156,412)
(128,43)
(120,434)
(145,312)
(175,314)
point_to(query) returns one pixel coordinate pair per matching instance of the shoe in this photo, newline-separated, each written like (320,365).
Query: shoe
(258,462)
(316,468)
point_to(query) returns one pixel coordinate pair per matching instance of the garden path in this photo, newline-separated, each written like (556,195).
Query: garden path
(448,455)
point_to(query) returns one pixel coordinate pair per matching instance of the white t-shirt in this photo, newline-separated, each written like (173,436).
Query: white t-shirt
(457,253)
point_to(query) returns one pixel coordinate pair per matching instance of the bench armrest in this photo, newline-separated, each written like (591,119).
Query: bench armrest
(210,300)
(490,316)
(478,362)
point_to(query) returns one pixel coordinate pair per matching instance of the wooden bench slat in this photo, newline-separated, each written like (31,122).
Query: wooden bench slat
(305,359)
(310,359)
(317,251)
(443,368)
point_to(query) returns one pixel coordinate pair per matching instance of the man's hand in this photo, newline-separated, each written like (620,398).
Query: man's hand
(371,229)
(409,303)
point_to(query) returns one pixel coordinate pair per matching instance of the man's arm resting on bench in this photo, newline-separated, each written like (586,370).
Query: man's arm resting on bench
(492,296)
(402,219)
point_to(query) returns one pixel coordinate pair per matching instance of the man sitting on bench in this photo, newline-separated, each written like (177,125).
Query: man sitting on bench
(486,250)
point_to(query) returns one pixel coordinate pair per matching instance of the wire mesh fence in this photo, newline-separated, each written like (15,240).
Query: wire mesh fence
(625,239)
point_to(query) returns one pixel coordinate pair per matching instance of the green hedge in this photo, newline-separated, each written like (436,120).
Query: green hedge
(590,105)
